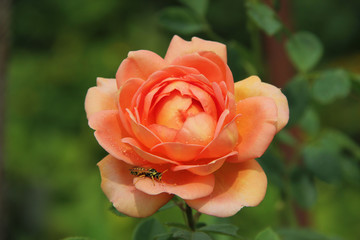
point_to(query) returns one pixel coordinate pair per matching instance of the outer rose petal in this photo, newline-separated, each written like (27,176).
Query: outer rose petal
(252,86)
(139,64)
(179,47)
(101,97)
(256,126)
(117,184)
(108,133)
(182,183)
(236,186)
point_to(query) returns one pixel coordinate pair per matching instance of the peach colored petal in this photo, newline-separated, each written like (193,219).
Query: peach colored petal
(177,151)
(205,168)
(256,126)
(205,99)
(252,86)
(198,129)
(205,66)
(169,112)
(236,186)
(102,97)
(126,94)
(108,133)
(117,184)
(141,152)
(179,47)
(139,64)
(220,100)
(223,143)
(142,133)
(227,74)
(164,133)
(181,183)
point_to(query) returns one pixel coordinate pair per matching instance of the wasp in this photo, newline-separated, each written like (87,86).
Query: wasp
(147,172)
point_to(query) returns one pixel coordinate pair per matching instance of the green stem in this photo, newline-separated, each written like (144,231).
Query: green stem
(190,218)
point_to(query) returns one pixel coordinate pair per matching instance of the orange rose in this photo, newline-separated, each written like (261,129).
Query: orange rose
(183,117)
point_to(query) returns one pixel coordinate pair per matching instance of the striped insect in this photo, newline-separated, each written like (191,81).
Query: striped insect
(147,172)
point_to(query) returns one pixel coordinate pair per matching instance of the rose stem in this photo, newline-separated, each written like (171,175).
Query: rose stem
(190,218)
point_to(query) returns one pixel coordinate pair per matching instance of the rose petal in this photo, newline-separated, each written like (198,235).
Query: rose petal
(164,133)
(206,67)
(145,154)
(139,64)
(256,126)
(179,47)
(117,184)
(176,151)
(142,133)
(126,94)
(198,129)
(223,143)
(102,97)
(205,168)
(236,186)
(108,133)
(227,74)
(181,183)
(252,86)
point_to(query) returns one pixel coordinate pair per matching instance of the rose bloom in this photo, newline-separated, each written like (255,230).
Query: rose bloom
(183,116)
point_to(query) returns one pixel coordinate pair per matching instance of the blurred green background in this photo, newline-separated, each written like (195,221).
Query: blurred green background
(52,183)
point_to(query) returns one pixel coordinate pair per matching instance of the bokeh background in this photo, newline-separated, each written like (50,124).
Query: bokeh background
(58,48)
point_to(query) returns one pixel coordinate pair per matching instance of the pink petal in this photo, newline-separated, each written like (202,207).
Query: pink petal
(236,186)
(141,152)
(256,126)
(179,47)
(108,133)
(139,64)
(102,97)
(252,86)
(181,183)
(205,168)
(198,129)
(205,99)
(176,151)
(117,184)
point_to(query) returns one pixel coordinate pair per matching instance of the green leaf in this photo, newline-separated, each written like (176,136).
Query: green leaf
(331,85)
(274,167)
(177,225)
(198,6)
(297,93)
(310,122)
(180,20)
(187,235)
(264,17)
(301,234)
(225,229)
(267,234)
(350,170)
(322,157)
(148,229)
(343,142)
(302,188)
(116,212)
(304,50)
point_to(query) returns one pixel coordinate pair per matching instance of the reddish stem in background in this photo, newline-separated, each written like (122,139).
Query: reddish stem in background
(280,72)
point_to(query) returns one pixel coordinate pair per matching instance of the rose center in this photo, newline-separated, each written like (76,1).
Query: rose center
(173,110)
